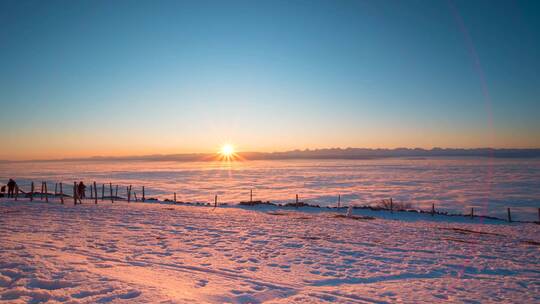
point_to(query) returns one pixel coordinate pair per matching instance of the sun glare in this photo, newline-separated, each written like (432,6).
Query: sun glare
(227,153)
(227,150)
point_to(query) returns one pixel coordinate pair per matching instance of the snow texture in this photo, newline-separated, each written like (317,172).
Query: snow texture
(164,253)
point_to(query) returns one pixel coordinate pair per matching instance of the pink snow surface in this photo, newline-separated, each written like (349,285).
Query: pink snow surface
(156,253)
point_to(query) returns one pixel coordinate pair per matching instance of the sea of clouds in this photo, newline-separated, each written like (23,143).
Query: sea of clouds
(453,184)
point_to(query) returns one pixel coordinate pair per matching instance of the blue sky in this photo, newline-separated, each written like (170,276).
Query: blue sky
(83,78)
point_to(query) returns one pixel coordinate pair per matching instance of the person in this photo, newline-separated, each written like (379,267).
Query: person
(3,191)
(11,188)
(81,190)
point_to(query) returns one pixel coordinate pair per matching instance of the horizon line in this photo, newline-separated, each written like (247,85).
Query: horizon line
(293,154)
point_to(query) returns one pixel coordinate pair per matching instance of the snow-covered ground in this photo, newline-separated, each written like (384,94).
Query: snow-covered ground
(159,253)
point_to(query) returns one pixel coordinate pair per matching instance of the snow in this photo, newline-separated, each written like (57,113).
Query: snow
(165,253)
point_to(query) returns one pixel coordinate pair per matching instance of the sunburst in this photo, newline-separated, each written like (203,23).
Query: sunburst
(227,153)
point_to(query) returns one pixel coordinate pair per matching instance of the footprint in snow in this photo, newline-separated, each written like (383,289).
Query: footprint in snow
(201,283)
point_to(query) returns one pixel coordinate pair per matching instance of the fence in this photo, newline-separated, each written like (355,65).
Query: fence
(79,193)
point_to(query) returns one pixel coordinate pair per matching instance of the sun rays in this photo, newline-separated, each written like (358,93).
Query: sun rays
(227,150)
(227,153)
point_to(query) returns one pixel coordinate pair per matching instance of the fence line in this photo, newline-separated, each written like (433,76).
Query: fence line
(385,204)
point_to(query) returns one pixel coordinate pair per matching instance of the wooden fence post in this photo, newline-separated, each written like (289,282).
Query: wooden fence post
(143,198)
(128,193)
(175,197)
(110,188)
(472,212)
(41,195)
(95,193)
(339,200)
(296,204)
(509,215)
(251,195)
(102,191)
(433,209)
(32,191)
(116,192)
(46,192)
(215,201)
(391,205)
(61,194)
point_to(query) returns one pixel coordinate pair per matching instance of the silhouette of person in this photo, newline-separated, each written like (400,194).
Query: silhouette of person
(11,187)
(82,190)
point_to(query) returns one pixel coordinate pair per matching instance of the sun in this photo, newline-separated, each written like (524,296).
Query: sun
(227,153)
(227,150)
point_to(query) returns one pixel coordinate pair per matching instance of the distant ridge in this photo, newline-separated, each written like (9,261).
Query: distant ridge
(331,153)
(361,153)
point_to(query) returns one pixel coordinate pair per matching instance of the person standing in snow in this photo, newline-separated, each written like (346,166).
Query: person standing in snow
(81,189)
(11,187)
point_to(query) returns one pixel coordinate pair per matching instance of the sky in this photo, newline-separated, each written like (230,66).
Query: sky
(112,78)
